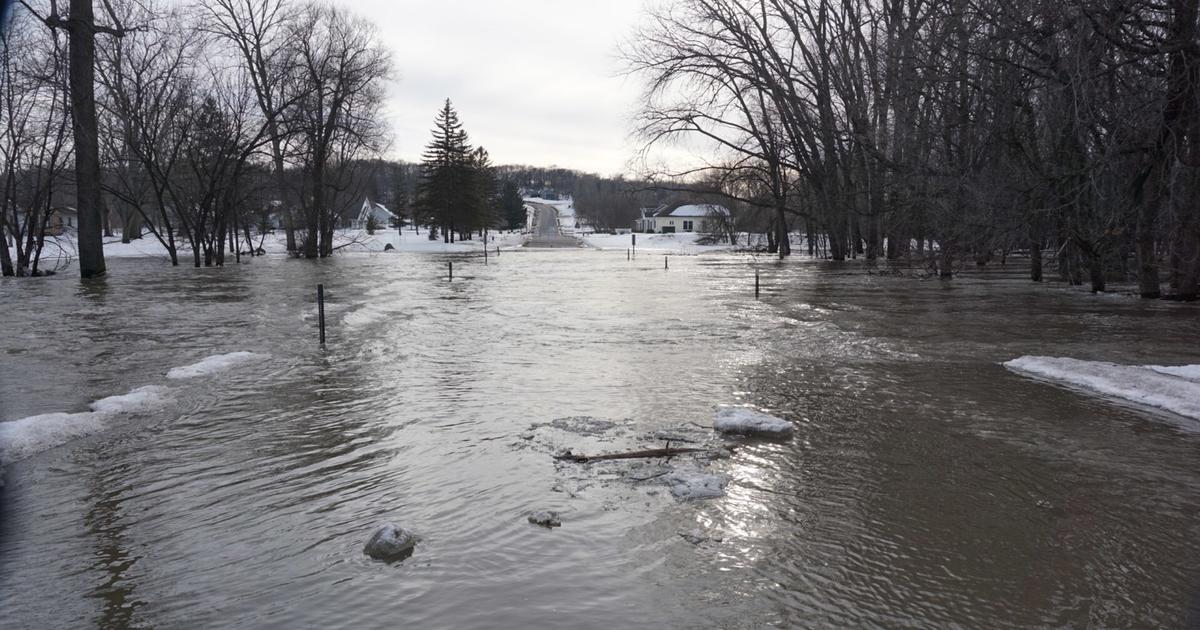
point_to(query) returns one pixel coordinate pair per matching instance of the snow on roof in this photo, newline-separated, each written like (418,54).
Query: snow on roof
(695,210)
(369,206)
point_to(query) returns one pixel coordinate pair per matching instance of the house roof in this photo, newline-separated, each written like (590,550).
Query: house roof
(369,206)
(692,210)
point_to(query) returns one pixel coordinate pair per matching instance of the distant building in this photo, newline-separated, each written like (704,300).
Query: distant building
(684,217)
(383,217)
(61,220)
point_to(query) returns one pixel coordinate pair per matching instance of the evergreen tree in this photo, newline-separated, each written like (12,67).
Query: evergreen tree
(443,192)
(513,207)
(485,203)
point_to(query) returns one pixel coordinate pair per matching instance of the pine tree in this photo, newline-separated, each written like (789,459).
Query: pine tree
(513,207)
(443,192)
(484,204)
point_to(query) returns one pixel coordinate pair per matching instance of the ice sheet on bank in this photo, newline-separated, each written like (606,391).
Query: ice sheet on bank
(1169,388)
(23,438)
(213,364)
(750,422)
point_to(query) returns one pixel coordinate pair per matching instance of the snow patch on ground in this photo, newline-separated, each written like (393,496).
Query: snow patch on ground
(678,243)
(26,437)
(750,422)
(214,364)
(1171,388)
(275,244)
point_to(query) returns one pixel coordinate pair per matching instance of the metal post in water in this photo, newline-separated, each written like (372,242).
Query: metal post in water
(756,284)
(666,265)
(321,311)
(451,263)
(485,254)
(627,254)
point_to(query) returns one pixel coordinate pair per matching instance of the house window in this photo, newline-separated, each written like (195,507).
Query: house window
(687,226)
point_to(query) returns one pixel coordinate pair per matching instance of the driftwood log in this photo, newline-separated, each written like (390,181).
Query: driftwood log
(654,452)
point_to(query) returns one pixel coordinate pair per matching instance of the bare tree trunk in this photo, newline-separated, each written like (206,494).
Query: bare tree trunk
(87,148)
(6,265)
(1035,259)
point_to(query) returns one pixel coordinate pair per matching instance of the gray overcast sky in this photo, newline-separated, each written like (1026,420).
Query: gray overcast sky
(534,81)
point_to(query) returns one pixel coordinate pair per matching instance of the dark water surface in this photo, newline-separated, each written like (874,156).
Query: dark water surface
(926,485)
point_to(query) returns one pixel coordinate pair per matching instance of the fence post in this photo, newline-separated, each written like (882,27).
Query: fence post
(321,311)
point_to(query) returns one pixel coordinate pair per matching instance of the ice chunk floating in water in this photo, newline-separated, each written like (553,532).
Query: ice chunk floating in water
(28,436)
(750,422)
(136,401)
(1170,388)
(215,363)
(693,484)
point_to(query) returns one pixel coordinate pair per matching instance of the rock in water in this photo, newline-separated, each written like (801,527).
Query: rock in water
(750,422)
(545,518)
(388,247)
(390,543)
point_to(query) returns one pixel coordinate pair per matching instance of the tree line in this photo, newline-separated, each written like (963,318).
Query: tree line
(949,129)
(202,114)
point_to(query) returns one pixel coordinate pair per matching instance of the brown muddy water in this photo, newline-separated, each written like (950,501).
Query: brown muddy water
(926,485)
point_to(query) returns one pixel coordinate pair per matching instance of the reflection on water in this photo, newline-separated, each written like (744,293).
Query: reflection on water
(926,485)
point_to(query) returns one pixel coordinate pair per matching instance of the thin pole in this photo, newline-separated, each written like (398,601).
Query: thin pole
(485,254)
(627,254)
(756,284)
(451,263)
(666,265)
(321,311)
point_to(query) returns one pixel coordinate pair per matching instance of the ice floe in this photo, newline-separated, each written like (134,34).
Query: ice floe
(746,421)
(1171,388)
(694,484)
(23,438)
(214,364)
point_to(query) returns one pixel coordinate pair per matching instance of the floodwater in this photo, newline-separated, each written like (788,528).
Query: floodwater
(925,485)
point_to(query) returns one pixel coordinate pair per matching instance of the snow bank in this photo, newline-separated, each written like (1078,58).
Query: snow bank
(692,484)
(26,437)
(750,422)
(1175,389)
(214,364)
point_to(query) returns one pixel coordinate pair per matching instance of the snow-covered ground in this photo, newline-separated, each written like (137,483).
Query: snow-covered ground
(357,241)
(679,243)
(1171,388)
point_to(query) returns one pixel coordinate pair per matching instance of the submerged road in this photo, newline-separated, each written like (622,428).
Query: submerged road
(546,232)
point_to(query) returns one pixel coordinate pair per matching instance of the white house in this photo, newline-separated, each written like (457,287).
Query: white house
(383,216)
(687,217)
